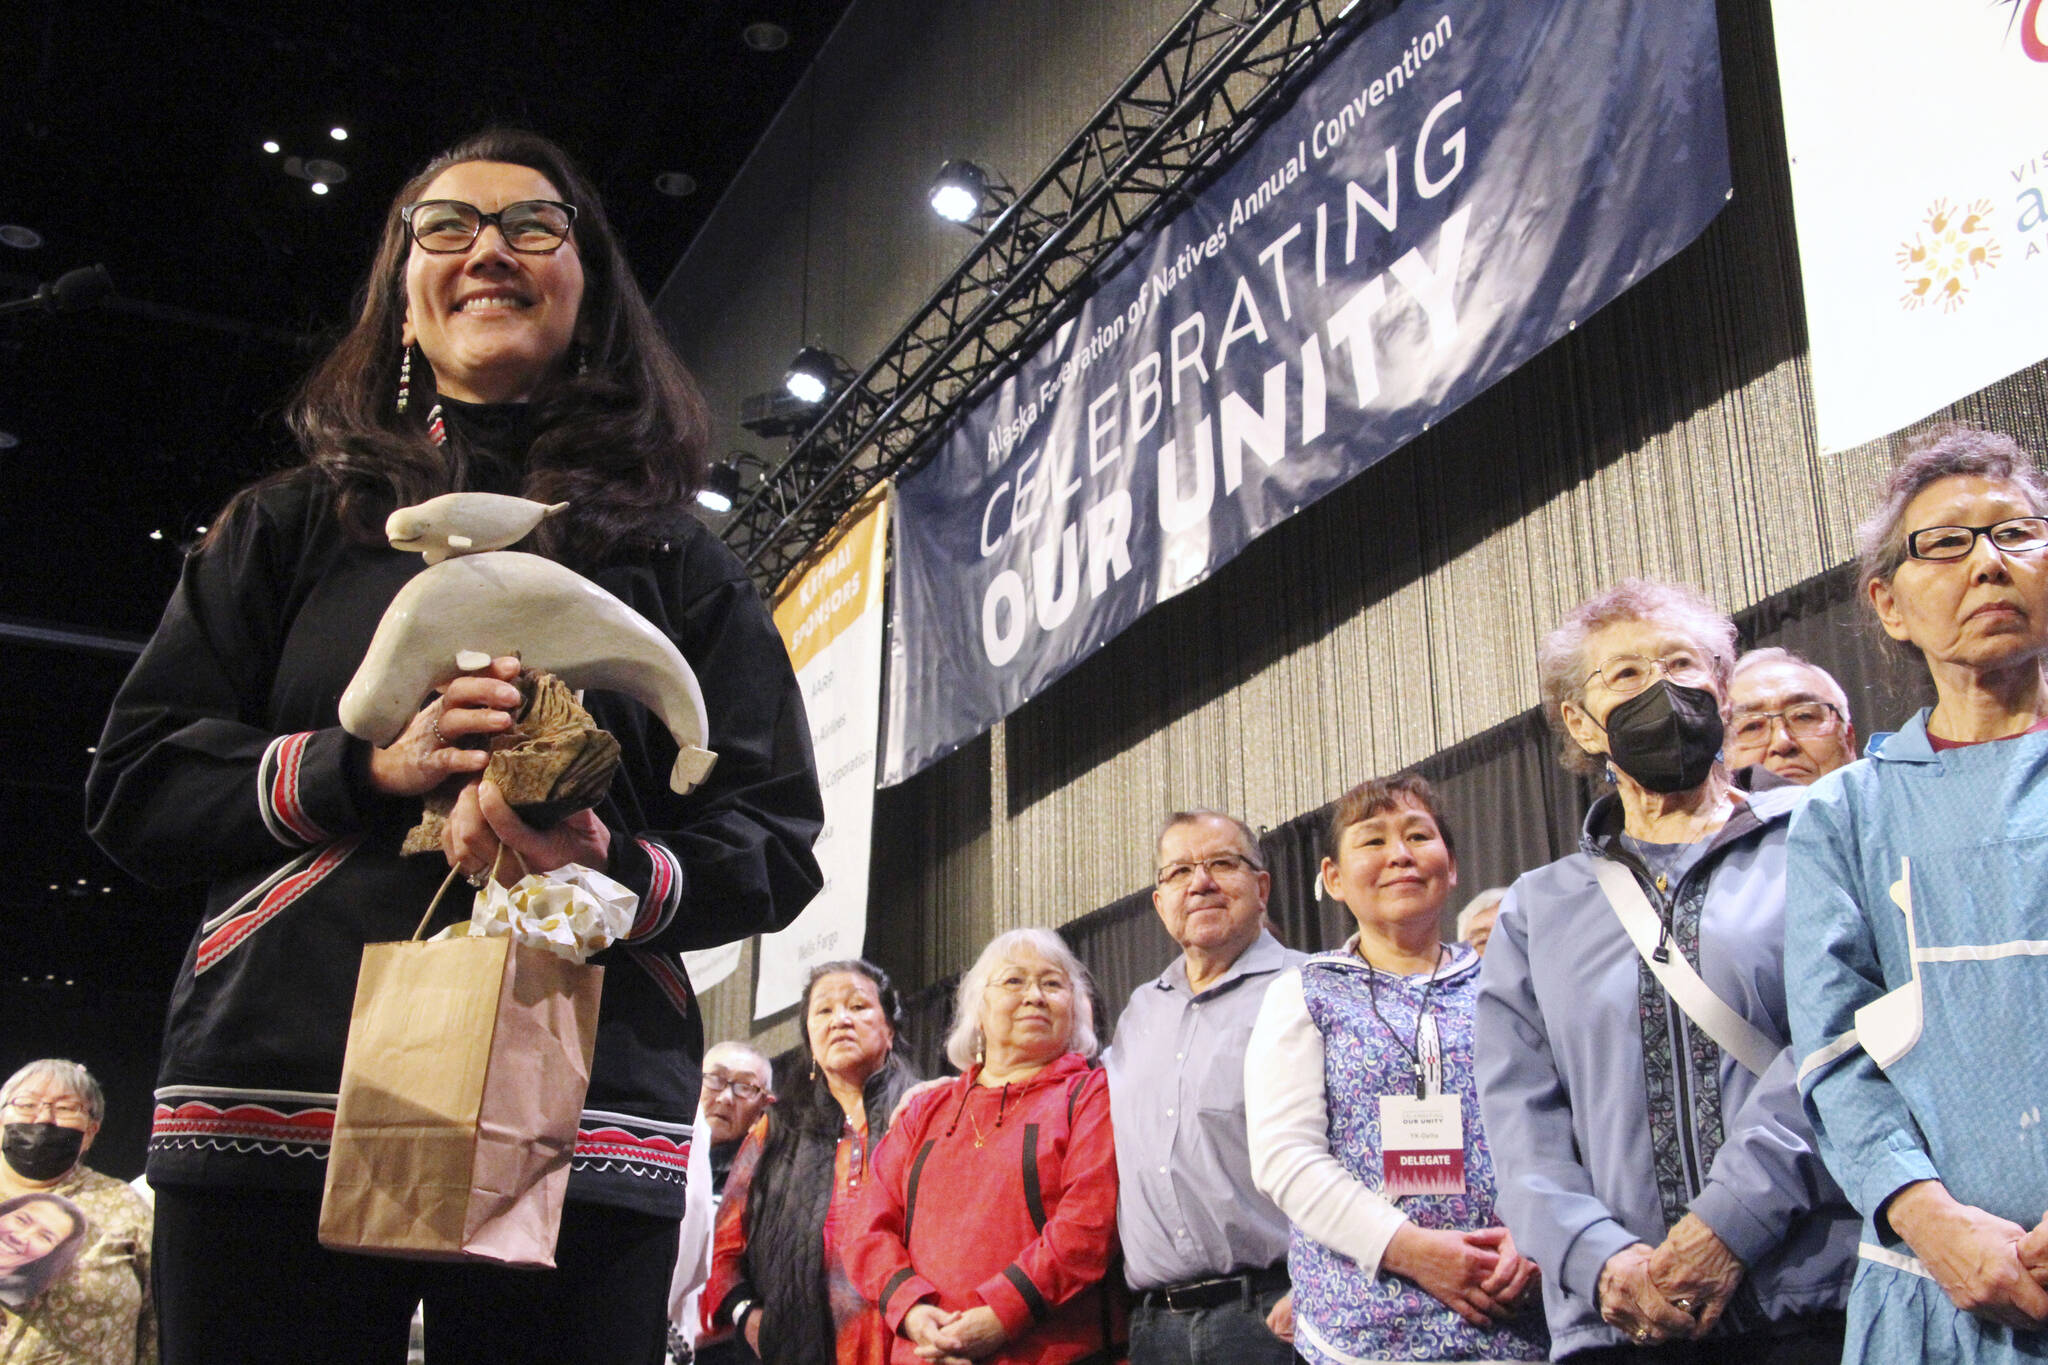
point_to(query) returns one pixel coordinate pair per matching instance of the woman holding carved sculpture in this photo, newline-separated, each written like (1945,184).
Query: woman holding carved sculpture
(501,347)
(1915,912)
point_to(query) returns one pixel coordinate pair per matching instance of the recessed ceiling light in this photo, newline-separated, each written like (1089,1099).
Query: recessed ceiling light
(765,36)
(338,134)
(156,535)
(270,145)
(319,187)
(676,184)
(19,237)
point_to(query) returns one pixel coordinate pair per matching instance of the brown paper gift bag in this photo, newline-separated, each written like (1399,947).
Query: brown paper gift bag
(460,1096)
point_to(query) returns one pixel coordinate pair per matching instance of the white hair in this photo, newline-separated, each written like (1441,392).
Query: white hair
(1477,906)
(1773,654)
(755,1057)
(69,1075)
(963,1039)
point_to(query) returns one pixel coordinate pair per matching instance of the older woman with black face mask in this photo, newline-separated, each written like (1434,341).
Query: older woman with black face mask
(1634,1074)
(98,1310)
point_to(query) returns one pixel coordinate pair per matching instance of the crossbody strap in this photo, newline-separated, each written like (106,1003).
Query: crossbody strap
(1737,1036)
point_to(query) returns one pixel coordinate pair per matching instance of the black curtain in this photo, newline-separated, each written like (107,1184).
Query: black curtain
(1510,805)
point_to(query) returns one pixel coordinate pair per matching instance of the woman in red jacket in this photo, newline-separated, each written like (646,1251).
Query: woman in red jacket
(991,1218)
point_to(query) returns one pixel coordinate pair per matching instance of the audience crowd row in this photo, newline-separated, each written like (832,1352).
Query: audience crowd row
(1753,1075)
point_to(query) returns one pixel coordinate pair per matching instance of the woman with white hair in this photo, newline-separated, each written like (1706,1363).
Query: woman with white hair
(1635,1079)
(991,1218)
(99,1310)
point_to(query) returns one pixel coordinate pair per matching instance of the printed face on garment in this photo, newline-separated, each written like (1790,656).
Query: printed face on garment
(1985,612)
(1027,1012)
(490,320)
(1760,699)
(727,1112)
(1392,869)
(1212,906)
(850,1035)
(31,1232)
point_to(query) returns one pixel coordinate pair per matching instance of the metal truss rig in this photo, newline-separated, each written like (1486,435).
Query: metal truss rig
(1208,86)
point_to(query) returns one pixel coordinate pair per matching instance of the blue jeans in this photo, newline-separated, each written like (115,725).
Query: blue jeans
(1228,1334)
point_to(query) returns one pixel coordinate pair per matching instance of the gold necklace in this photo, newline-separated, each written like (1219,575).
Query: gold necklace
(979,1136)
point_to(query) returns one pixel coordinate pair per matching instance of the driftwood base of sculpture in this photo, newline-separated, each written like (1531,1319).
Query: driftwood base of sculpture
(552,762)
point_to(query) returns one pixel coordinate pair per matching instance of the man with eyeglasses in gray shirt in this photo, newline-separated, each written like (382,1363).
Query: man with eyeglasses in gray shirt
(1205,1253)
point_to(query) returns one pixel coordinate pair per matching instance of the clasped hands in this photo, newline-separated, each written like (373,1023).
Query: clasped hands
(1675,1290)
(1477,1275)
(429,753)
(953,1338)
(1987,1265)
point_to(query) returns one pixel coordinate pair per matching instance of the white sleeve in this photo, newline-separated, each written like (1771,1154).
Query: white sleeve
(1288,1125)
(693,1249)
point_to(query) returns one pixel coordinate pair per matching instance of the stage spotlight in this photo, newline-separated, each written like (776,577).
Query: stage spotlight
(721,486)
(957,193)
(319,187)
(814,374)
(338,134)
(270,145)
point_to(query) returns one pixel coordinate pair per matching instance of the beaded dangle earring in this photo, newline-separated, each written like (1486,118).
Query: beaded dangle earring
(404,377)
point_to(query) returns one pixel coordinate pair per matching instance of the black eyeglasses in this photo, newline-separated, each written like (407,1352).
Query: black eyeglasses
(1956,542)
(718,1085)
(533,227)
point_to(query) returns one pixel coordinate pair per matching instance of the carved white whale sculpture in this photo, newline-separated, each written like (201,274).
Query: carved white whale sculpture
(457,615)
(465,524)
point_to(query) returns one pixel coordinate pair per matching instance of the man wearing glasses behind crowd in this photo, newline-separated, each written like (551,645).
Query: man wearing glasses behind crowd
(1789,715)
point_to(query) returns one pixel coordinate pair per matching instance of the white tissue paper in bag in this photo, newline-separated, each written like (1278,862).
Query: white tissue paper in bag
(573,912)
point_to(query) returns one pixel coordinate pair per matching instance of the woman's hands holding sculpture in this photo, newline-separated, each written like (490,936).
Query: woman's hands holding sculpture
(953,1338)
(427,754)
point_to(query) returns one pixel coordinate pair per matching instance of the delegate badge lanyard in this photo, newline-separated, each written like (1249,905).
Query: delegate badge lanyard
(1422,1136)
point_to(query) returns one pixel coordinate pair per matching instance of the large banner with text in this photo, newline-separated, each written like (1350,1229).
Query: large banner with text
(1462,184)
(830,616)
(1918,133)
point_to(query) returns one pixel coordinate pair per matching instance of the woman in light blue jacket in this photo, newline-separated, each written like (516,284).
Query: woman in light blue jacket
(1671,1193)
(1918,935)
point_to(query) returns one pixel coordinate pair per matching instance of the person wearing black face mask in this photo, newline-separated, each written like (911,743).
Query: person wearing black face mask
(99,1309)
(1634,1077)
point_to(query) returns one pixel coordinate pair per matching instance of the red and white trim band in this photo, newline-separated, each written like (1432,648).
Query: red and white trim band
(606,1140)
(228,935)
(277,792)
(664,890)
(275,1122)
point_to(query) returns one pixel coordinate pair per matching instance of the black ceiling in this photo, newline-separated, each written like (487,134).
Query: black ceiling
(131,135)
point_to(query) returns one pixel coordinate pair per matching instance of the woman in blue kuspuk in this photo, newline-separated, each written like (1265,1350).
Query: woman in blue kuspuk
(1916,940)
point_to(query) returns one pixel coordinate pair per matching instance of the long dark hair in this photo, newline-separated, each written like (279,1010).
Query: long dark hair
(621,434)
(805,1103)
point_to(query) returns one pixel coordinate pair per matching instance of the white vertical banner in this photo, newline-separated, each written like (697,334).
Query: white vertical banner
(830,616)
(1918,136)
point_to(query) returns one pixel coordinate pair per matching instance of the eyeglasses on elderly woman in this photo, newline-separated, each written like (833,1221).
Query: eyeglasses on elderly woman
(2012,535)
(22,1109)
(1627,673)
(533,227)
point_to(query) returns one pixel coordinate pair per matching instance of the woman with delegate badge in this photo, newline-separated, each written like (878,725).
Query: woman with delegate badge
(1364,1119)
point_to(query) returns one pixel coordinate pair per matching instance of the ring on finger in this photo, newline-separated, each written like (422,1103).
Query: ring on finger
(434,724)
(1641,1335)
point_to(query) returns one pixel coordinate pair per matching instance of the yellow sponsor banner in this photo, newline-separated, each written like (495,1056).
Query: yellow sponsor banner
(838,582)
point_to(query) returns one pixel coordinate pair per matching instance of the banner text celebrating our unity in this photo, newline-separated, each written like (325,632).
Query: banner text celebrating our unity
(1093,545)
